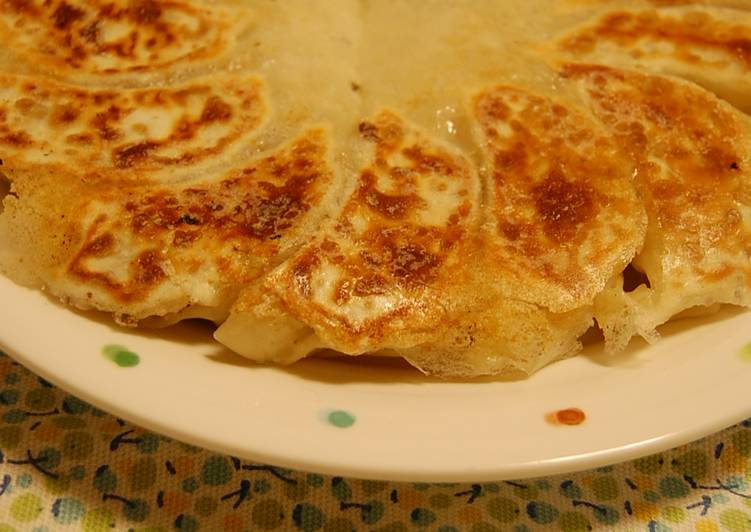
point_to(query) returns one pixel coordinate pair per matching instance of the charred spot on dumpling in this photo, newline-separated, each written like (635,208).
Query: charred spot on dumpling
(563,205)
(65,14)
(394,206)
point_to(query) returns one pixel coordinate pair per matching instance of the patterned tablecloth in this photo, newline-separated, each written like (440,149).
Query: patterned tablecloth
(67,465)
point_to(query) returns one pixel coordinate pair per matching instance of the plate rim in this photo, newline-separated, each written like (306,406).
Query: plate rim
(494,472)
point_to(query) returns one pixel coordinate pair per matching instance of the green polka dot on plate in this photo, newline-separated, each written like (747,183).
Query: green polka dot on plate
(340,419)
(745,352)
(121,355)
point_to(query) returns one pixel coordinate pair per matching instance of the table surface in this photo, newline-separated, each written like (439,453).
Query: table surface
(65,464)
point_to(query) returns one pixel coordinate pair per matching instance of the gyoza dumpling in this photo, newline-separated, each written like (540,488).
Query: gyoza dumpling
(376,277)
(95,38)
(119,134)
(694,166)
(562,217)
(416,265)
(148,249)
(708,45)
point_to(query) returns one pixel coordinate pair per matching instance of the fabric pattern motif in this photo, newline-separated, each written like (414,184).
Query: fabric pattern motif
(66,465)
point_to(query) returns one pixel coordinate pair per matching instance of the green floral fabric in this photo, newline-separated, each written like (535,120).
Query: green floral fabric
(67,465)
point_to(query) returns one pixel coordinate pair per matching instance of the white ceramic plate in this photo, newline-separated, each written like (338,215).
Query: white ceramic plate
(402,426)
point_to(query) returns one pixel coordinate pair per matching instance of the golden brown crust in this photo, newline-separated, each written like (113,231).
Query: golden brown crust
(693,160)
(101,131)
(565,211)
(157,177)
(686,32)
(153,249)
(108,37)
(372,280)
(710,46)
(409,266)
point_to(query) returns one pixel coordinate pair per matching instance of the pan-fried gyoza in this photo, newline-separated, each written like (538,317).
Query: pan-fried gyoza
(472,194)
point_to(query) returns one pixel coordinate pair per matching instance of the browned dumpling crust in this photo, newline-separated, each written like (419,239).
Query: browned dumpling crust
(473,194)
(110,37)
(565,212)
(136,130)
(373,278)
(562,218)
(694,161)
(417,264)
(710,46)
(184,249)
